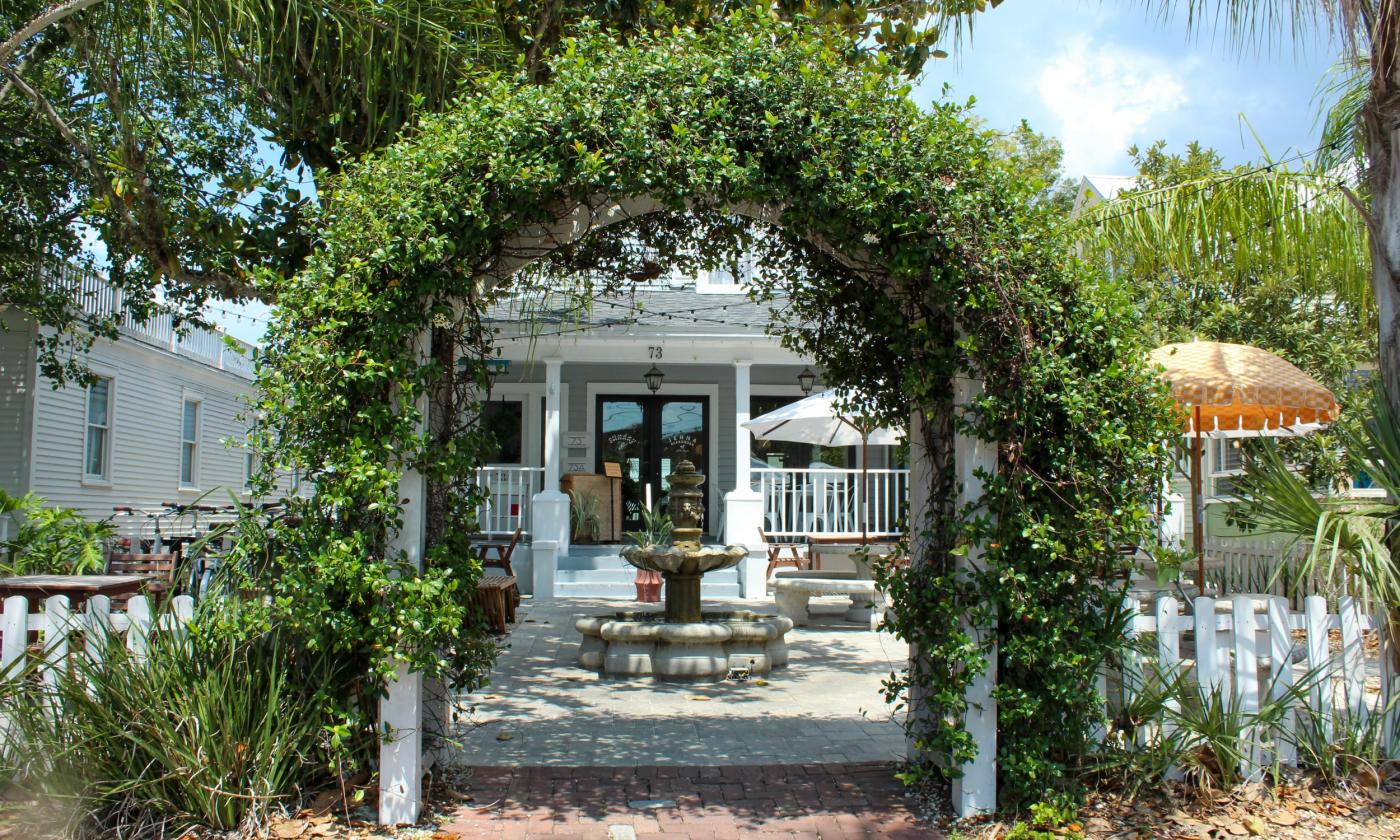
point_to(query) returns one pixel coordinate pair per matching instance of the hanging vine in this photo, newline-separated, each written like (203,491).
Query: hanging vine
(903,255)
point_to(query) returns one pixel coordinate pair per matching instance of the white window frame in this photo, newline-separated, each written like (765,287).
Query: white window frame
(1216,459)
(185,401)
(250,458)
(105,478)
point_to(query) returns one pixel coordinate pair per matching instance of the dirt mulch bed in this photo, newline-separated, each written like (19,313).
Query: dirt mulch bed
(1296,808)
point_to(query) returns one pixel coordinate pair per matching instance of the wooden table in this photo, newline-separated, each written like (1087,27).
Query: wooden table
(78,588)
(487,547)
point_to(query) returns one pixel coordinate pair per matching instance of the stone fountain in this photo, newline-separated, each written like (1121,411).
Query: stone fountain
(682,641)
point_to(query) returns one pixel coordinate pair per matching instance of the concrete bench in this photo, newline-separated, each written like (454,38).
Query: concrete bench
(780,574)
(792,593)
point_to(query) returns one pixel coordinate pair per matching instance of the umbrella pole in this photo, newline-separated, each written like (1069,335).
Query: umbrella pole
(1198,537)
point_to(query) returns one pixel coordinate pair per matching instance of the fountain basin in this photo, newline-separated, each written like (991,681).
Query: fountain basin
(641,643)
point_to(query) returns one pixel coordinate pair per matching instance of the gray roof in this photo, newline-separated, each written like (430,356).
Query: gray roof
(645,308)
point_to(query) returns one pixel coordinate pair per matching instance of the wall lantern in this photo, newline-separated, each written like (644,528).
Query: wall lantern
(805,380)
(653,378)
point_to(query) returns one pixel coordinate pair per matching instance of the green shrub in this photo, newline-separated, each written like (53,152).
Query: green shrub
(213,726)
(49,540)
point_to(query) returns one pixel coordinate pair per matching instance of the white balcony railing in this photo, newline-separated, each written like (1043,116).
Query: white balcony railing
(798,502)
(97,297)
(507,506)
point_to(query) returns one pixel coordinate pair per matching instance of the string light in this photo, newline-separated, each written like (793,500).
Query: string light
(1208,186)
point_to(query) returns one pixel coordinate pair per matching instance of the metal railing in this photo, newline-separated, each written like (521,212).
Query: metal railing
(798,502)
(510,489)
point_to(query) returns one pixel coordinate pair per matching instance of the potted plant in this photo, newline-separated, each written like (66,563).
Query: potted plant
(584,517)
(656,532)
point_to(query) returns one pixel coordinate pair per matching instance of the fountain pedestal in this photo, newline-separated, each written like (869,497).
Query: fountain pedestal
(684,642)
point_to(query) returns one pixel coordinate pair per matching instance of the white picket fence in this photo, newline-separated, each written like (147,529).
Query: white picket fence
(1253,658)
(57,623)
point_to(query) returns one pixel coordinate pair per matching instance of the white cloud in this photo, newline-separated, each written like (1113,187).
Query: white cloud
(1104,99)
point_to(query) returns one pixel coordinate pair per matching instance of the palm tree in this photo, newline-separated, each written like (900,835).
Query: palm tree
(1370,33)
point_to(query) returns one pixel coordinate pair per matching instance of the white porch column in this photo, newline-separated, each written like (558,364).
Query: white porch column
(976,792)
(549,509)
(401,712)
(743,507)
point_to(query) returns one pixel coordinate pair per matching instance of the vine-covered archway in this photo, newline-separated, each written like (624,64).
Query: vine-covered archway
(914,265)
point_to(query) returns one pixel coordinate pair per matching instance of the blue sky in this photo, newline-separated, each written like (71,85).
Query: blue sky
(1101,76)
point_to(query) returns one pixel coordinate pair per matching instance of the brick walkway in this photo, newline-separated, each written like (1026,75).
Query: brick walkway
(827,801)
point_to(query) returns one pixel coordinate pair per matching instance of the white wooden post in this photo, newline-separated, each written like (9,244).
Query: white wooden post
(1353,657)
(976,791)
(743,506)
(549,509)
(1319,660)
(97,629)
(1132,659)
(138,632)
(401,711)
(1169,654)
(1281,676)
(1208,675)
(56,627)
(1246,682)
(16,638)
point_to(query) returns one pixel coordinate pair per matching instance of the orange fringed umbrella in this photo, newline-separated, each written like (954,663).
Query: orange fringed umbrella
(1234,390)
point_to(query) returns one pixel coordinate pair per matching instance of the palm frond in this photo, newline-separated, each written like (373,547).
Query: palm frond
(1346,538)
(1341,139)
(1244,225)
(1264,25)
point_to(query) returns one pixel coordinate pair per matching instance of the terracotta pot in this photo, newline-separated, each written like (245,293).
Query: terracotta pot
(648,586)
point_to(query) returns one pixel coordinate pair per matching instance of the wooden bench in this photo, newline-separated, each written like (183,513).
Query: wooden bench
(157,569)
(498,596)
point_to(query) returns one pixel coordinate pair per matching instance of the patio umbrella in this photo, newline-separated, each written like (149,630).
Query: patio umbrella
(1234,390)
(817,420)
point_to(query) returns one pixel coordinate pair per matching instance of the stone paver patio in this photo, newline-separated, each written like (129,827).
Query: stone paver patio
(541,709)
(557,751)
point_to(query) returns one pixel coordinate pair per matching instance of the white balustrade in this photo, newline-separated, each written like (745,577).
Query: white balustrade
(95,296)
(798,502)
(509,489)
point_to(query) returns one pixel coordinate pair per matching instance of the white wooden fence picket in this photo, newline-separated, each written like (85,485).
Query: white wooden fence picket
(56,623)
(1230,653)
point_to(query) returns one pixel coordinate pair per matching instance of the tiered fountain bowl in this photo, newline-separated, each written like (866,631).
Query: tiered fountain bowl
(682,642)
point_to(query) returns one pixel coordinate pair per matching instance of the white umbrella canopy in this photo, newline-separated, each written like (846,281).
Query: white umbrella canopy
(817,420)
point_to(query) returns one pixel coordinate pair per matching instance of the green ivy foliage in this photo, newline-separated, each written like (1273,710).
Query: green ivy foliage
(922,257)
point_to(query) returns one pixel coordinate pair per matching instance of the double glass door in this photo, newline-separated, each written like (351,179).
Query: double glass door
(647,437)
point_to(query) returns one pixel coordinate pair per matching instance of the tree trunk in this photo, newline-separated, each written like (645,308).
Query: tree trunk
(1381,122)
(442,419)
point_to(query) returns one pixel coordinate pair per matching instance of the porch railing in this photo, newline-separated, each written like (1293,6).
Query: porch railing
(798,502)
(507,506)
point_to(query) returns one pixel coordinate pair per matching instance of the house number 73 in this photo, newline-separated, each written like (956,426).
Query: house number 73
(653,352)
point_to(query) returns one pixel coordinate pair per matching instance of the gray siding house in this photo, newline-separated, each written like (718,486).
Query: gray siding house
(161,423)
